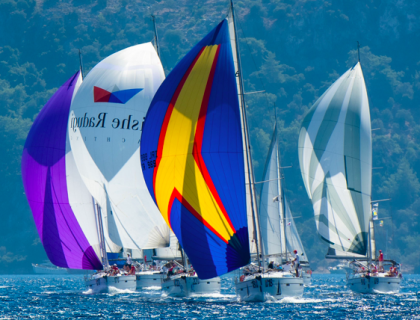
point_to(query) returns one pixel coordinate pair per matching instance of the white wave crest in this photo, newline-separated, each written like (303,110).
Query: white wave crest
(114,290)
(303,300)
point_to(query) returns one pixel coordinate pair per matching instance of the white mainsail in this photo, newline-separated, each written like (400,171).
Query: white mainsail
(335,156)
(172,252)
(104,128)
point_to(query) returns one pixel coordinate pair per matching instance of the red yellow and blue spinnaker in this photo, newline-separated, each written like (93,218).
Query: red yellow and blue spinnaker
(192,157)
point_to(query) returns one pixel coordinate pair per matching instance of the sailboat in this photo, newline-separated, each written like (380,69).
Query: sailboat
(196,160)
(104,128)
(335,156)
(272,283)
(63,209)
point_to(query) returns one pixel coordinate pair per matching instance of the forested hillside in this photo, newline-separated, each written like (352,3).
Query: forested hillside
(293,49)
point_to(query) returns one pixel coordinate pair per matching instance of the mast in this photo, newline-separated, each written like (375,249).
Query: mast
(100,227)
(81,64)
(156,40)
(282,206)
(251,185)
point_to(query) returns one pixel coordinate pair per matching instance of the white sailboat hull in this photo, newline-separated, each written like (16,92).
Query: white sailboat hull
(269,287)
(105,284)
(307,278)
(184,286)
(374,284)
(149,279)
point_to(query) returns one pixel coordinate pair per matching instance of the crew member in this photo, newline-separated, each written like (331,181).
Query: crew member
(296,262)
(381,261)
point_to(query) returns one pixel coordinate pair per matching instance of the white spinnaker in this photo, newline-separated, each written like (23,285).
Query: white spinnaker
(95,189)
(335,156)
(270,208)
(79,197)
(110,133)
(253,234)
(293,241)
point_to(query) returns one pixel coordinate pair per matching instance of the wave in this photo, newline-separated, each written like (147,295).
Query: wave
(302,300)
(114,290)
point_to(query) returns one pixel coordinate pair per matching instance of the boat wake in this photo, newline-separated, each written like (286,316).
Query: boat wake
(88,291)
(152,288)
(216,295)
(113,290)
(385,292)
(302,300)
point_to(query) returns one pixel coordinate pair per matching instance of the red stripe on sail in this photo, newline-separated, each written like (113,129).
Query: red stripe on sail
(169,114)
(181,199)
(198,140)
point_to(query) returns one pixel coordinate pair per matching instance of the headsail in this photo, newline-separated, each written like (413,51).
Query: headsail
(61,205)
(293,241)
(270,210)
(335,156)
(105,127)
(192,157)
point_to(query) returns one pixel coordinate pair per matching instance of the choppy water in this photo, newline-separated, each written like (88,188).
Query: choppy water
(35,296)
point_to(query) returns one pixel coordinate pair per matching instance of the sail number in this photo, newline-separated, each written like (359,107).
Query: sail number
(148,161)
(269,282)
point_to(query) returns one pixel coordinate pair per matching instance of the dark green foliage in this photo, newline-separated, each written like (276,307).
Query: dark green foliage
(292,49)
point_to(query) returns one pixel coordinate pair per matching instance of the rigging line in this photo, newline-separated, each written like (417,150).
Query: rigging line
(256,69)
(252,58)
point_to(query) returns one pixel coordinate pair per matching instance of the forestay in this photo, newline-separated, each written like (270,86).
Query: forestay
(192,157)
(335,156)
(253,233)
(105,127)
(61,205)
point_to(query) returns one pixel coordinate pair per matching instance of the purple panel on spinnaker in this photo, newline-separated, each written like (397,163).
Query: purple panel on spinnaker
(45,183)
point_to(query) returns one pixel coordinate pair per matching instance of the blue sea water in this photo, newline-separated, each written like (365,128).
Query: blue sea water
(62,297)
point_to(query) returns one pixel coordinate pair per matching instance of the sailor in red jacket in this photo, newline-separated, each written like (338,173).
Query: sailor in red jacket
(381,262)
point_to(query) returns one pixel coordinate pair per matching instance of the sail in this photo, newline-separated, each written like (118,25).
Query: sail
(192,157)
(335,156)
(270,208)
(172,252)
(61,205)
(105,128)
(293,241)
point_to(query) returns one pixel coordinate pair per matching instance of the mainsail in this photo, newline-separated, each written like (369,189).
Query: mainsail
(335,156)
(192,157)
(105,127)
(61,205)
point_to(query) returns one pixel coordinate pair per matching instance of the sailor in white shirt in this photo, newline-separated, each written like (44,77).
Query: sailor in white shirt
(128,259)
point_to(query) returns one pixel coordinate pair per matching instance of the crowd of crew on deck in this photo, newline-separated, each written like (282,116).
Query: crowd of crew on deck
(374,269)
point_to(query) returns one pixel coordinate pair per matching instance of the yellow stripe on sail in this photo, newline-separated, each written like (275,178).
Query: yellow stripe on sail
(177,168)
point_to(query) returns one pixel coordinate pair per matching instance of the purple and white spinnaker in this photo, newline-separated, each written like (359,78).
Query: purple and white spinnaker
(62,207)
